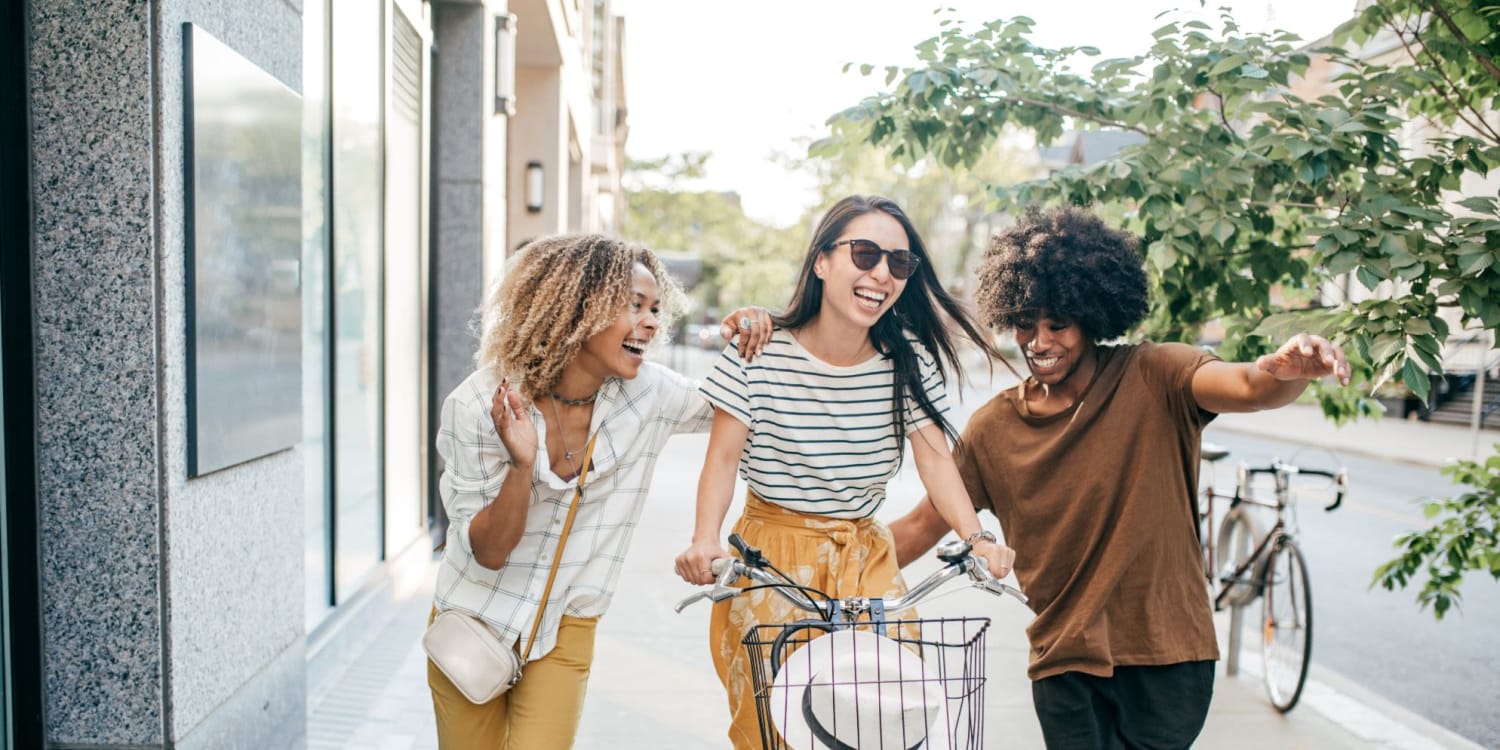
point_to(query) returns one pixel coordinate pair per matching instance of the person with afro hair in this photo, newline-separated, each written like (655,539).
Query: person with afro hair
(1090,465)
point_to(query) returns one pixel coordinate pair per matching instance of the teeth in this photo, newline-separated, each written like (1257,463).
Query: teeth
(1045,362)
(872,296)
(635,346)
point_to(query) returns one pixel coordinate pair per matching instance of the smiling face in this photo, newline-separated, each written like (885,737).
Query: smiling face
(1055,350)
(861,297)
(619,350)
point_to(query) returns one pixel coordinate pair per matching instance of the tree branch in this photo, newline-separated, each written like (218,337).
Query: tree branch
(1069,111)
(1484,61)
(1457,107)
(1222,116)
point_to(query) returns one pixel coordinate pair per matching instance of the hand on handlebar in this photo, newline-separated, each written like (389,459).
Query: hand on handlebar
(998,557)
(695,565)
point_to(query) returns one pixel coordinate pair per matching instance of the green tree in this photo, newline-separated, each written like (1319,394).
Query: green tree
(952,207)
(1248,193)
(745,262)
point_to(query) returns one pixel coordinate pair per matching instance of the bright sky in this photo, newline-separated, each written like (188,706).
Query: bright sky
(746,80)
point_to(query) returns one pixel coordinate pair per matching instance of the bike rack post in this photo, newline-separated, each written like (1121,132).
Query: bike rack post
(1232,661)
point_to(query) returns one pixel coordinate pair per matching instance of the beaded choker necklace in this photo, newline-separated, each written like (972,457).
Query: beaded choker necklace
(576,401)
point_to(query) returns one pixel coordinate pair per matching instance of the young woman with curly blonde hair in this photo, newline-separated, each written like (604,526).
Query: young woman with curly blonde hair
(561,363)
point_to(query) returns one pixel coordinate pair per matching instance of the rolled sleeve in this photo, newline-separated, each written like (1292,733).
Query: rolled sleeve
(685,407)
(475,462)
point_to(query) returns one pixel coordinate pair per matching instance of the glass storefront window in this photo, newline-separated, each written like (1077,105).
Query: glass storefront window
(355,279)
(315,384)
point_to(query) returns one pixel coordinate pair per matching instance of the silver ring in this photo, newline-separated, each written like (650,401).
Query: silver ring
(745,323)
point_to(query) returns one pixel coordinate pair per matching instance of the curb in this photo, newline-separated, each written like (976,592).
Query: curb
(1374,719)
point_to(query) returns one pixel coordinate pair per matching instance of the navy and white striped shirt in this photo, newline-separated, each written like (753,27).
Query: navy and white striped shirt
(822,438)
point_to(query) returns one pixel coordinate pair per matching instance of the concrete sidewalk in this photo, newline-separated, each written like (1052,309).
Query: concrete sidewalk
(1389,439)
(653,685)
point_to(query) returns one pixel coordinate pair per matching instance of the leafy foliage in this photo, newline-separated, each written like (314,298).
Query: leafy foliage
(1465,536)
(952,207)
(1272,174)
(745,262)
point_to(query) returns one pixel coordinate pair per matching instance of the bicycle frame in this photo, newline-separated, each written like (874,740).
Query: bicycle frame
(1282,472)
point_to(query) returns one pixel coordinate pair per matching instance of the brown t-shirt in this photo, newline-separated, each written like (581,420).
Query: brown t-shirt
(1097,501)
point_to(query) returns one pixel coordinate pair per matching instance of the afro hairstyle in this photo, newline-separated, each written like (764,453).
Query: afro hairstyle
(1068,262)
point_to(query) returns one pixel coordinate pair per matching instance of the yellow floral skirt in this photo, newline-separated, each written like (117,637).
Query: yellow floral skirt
(836,556)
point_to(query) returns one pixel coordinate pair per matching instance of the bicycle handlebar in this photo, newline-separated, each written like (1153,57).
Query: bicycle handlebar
(1282,469)
(955,554)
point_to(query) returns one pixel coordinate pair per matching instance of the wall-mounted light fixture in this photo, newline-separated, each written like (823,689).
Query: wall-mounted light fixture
(536,185)
(505,65)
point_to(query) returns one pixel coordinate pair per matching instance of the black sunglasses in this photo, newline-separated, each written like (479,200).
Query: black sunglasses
(866,255)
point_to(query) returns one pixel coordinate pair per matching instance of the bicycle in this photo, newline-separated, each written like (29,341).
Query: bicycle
(1243,563)
(851,677)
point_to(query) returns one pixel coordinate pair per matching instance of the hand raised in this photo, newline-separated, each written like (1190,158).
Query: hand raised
(1306,357)
(512,421)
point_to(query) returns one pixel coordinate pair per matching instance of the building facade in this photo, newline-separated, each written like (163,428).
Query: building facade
(150,602)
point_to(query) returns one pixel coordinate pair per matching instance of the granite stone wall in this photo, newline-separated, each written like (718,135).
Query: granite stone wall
(172,608)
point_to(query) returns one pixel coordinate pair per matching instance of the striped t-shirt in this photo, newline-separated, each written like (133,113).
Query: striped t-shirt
(822,438)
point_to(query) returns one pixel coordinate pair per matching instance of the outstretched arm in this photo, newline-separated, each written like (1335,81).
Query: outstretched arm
(1270,381)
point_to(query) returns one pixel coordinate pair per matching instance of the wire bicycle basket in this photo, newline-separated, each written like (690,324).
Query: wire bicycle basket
(916,683)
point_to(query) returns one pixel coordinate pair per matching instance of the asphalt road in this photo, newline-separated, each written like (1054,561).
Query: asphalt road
(1447,671)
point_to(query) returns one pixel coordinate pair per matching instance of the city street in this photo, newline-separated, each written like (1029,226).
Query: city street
(1447,671)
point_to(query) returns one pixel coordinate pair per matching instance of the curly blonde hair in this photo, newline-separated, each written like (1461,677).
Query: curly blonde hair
(558,292)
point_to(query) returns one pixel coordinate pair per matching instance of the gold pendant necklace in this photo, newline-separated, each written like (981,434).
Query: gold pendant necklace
(562,437)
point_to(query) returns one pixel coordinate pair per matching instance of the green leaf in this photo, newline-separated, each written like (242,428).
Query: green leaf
(1476,262)
(1415,379)
(1227,64)
(1223,230)
(1479,203)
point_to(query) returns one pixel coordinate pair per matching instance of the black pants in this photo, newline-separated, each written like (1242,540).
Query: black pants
(1153,708)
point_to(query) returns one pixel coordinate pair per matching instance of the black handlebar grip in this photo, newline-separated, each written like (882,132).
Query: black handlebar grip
(738,543)
(748,555)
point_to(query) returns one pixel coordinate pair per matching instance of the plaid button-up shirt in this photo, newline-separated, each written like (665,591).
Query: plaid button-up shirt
(633,418)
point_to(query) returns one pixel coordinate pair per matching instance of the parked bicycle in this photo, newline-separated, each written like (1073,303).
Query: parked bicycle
(855,675)
(1242,562)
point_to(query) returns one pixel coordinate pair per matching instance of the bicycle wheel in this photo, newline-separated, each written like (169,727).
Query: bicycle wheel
(1286,626)
(1238,535)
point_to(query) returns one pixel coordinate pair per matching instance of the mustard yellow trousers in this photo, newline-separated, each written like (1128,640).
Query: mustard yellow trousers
(540,713)
(838,557)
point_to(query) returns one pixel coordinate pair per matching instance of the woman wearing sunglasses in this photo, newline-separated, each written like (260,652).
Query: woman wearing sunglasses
(817,424)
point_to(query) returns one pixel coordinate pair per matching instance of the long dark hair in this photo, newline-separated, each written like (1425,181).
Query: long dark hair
(916,312)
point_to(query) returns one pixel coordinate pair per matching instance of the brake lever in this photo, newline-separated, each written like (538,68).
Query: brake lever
(688,602)
(725,569)
(979,571)
(996,587)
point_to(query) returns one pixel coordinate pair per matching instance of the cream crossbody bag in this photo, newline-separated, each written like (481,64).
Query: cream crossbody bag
(470,653)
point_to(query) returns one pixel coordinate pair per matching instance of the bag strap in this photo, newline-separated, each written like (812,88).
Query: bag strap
(562,542)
